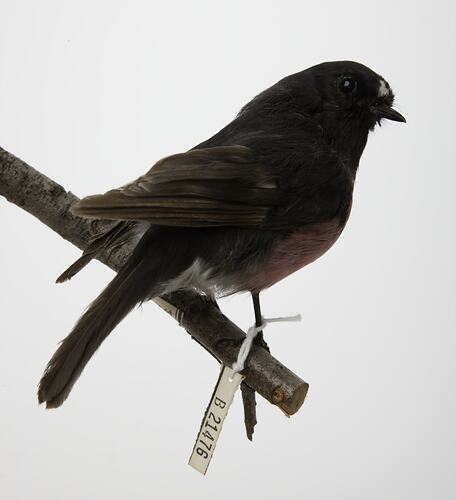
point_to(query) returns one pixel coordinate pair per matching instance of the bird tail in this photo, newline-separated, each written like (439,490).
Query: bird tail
(133,284)
(110,239)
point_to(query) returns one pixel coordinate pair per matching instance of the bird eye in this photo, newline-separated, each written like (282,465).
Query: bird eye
(347,85)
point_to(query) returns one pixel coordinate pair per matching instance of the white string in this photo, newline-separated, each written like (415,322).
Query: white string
(252,332)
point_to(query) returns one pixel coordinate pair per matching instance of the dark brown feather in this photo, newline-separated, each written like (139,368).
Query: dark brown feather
(108,240)
(218,186)
(120,296)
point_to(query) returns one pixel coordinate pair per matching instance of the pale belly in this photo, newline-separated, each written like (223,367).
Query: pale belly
(285,257)
(289,255)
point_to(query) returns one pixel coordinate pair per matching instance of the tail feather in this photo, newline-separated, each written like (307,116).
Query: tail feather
(75,267)
(155,260)
(109,239)
(124,292)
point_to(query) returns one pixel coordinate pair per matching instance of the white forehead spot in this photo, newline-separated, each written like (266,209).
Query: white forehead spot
(383,90)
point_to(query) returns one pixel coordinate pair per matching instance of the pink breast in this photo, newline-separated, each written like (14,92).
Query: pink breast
(299,249)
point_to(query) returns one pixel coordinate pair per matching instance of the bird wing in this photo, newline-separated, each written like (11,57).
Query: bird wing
(218,186)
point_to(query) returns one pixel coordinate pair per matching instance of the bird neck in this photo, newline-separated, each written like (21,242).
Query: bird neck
(347,136)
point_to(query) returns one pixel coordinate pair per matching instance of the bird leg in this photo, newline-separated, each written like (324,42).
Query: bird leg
(248,394)
(259,339)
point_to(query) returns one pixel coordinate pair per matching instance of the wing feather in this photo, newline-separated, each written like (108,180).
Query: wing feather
(217,186)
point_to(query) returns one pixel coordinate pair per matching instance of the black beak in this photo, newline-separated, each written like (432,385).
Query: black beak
(389,114)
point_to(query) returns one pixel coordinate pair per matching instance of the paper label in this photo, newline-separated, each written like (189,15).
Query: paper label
(214,417)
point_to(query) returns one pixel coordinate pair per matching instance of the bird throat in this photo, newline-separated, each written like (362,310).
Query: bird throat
(347,135)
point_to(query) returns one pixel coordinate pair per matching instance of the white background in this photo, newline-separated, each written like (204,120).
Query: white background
(92,94)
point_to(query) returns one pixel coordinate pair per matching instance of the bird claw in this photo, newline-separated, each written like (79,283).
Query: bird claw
(260,342)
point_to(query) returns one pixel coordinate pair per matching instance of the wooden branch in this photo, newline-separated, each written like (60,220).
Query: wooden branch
(50,203)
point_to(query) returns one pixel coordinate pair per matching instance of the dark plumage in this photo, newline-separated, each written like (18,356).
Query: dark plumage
(265,196)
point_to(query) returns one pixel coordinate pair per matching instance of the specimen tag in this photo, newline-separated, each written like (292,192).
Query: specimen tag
(212,423)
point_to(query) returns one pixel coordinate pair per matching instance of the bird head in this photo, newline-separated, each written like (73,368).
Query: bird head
(352,91)
(342,100)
